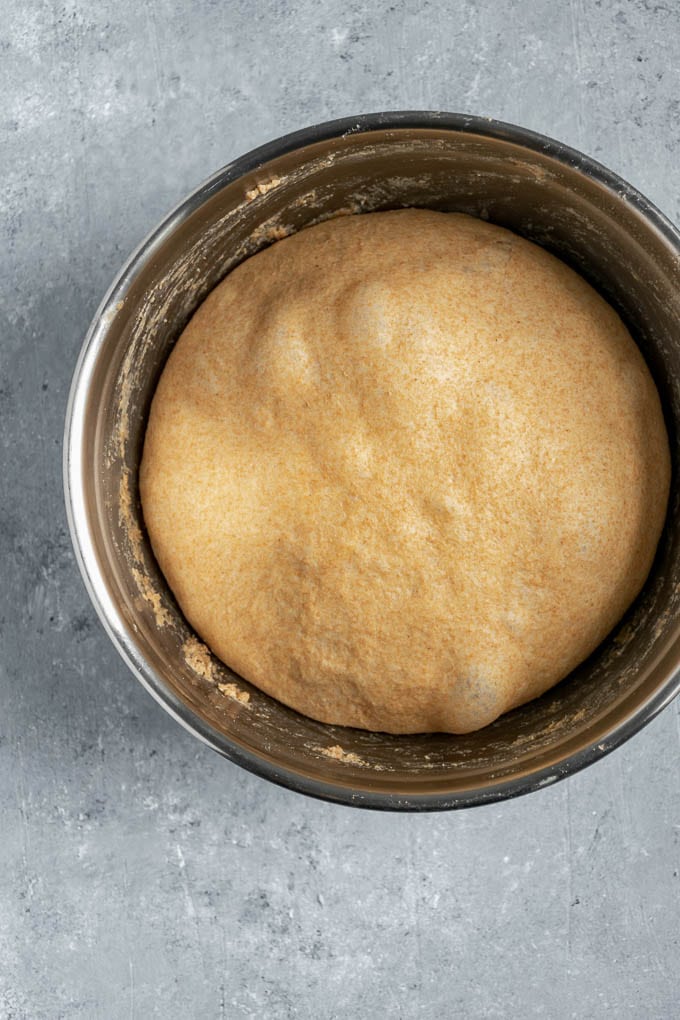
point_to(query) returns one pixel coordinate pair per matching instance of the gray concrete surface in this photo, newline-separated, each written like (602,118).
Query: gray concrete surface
(140,875)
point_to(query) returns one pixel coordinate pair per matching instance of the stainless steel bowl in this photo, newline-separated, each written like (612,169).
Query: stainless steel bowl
(537,187)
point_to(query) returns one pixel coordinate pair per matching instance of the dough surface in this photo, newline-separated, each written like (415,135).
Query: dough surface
(404,471)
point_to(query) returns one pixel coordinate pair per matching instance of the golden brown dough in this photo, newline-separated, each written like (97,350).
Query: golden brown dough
(404,471)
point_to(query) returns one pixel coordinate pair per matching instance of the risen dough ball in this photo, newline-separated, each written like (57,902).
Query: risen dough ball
(404,471)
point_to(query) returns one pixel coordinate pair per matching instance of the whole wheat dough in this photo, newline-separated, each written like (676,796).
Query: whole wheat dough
(404,471)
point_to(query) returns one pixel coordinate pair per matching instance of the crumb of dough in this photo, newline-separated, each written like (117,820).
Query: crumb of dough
(262,187)
(199,658)
(338,753)
(232,691)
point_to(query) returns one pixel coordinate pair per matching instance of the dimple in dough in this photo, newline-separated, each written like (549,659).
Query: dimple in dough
(404,471)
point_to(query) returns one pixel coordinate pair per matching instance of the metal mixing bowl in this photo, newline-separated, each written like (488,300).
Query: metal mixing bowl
(536,187)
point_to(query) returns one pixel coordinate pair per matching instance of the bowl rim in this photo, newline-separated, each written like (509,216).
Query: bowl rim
(74,486)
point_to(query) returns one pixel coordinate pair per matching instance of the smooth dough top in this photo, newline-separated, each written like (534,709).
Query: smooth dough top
(404,471)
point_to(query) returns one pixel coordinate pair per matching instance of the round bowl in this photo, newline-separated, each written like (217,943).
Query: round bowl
(539,188)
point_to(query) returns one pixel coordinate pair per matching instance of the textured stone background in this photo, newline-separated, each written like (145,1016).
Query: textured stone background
(140,875)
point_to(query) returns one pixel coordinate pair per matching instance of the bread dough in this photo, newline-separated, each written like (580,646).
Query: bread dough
(404,471)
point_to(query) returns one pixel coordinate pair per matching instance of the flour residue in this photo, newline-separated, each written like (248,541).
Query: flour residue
(338,753)
(128,521)
(126,517)
(151,597)
(199,658)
